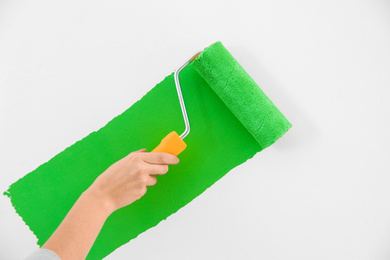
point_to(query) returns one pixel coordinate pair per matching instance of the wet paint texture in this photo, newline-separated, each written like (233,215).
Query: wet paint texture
(218,142)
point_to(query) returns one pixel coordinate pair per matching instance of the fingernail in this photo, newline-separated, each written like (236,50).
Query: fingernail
(177,161)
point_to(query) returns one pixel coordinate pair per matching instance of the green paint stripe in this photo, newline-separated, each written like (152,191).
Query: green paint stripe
(217,143)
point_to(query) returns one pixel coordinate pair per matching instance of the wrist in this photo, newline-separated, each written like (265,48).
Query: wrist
(97,198)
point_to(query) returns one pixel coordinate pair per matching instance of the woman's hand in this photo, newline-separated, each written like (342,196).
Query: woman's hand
(121,184)
(126,180)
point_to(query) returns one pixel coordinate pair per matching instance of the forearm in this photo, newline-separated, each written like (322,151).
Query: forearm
(76,234)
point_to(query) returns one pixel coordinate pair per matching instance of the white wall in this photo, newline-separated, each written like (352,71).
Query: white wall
(321,192)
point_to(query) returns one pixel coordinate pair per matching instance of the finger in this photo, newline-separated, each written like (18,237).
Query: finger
(140,151)
(151,181)
(157,169)
(160,158)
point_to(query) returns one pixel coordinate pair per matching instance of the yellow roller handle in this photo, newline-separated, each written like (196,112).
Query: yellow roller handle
(172,143)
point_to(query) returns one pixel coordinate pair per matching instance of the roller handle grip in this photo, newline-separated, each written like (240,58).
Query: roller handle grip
(172,143)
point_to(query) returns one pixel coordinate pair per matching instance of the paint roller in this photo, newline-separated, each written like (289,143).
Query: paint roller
(238,91)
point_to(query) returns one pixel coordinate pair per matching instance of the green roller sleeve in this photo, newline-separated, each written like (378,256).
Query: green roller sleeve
(241,94)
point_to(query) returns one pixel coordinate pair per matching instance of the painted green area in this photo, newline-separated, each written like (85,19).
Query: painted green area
(218,142)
